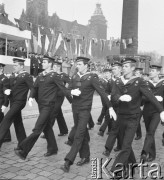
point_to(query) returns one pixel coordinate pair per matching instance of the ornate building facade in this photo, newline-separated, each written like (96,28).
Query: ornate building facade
(91,40)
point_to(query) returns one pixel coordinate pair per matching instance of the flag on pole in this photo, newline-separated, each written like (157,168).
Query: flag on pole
(28,45)
(90,48)
(124,43)
(35,44)
(39,50)
(79,51)
(47,42)
(53,40)
(75,47)
(59,40)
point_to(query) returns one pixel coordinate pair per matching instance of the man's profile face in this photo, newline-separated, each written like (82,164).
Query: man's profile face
(127,68)
(17,67)
(153,73)
(46,64)
(81,66)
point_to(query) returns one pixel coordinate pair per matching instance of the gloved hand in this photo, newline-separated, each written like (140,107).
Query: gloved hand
(3,108)
(159,98)
(125,98)
(30,101)
(109,97)
(112,113)
(7,92)
(75,92)
(162,116)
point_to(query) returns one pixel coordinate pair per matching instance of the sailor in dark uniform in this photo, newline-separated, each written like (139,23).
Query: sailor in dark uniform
(83,84)
(127,94)
(45,92)
(4,101)
(103,80)
(20,83)
(151,114)
(114,132)
(138,73)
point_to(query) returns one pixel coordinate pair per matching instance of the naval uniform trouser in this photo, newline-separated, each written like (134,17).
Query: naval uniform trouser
(13,116)
(128,126)
(139,131)
(151,123)
(58,115)
(8,135)
(43,124)
(81,136)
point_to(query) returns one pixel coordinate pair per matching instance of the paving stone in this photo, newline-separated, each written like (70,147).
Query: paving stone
(22,172)
(31,175)
(41,178)
(2,171)
(45,173)
(55,177)
(35,170)
(8,175)
(13,169)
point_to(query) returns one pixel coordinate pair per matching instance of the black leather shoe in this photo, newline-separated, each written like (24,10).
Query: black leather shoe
(100,133)
(66,166)
(138,137)
(98,123)
(116,149)
(69,143)
(62,134)
(19,153)
(43,136)
(7,140)
(106,153)
(83,161)
(49,154)
(150,159)
(143,158)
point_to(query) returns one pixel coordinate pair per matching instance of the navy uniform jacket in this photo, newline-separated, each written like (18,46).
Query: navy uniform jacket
(66,79)
(46,87)
(103,82)
(20,86)
(4,84)
(87,84)
(135,87)
(157,90)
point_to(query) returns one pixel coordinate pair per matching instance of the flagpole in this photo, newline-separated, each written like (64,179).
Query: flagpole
(6,47)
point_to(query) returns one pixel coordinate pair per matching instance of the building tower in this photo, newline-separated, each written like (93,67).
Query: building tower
(129,32)
(37,11)
(98,23)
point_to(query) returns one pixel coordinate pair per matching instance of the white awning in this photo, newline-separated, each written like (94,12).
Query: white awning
(13,33)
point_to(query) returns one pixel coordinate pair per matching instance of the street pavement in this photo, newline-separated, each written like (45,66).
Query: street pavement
(38,167)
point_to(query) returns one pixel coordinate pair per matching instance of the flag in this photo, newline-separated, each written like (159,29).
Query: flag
(39,50)
(59,40)
(110,44)
(124,43)
(28,45)
(75,46)
(52,42)
(79,51)
(90,48)
(47,42)
(35,44)
(130,41)
(102,44)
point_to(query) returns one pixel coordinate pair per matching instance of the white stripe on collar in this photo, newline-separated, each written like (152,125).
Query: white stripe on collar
(155,83)
(82,74)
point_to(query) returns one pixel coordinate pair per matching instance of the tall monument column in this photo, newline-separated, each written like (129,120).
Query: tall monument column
(129,32)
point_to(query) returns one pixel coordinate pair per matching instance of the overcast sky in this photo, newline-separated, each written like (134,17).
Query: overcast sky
(151,16)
